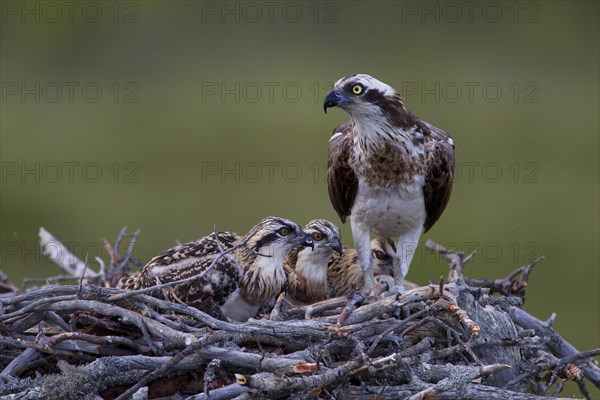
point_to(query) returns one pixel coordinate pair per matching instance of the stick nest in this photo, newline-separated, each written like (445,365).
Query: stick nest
(452,339)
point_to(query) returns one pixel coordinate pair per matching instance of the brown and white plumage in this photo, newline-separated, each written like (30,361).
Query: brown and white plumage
(390,172)
(383,251)
(331,270)
(345,273)
(240,282)
(307,270)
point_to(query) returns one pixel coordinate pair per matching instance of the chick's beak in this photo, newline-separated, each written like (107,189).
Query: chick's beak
(337,246)
(305,240)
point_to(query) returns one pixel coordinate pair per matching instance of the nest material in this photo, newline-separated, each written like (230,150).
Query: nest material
(448,340)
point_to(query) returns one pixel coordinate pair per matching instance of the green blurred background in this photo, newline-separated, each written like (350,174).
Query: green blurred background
(173,116)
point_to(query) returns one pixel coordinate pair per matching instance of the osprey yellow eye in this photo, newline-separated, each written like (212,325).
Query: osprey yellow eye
(317,236)
(284,231)
(357,89)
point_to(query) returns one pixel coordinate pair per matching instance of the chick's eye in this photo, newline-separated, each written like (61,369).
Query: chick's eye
(357,89)
(317,236)
(284,231)
(380,255)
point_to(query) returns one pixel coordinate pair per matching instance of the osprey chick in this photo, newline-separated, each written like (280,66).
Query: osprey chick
(240,282)
(390,172)
(307,270)
(345,273)
(331,270)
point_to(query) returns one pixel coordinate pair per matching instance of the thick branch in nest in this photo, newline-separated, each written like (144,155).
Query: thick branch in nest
(57,252)
(438,341)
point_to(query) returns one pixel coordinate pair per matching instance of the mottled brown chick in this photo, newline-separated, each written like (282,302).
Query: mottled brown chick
(240,282)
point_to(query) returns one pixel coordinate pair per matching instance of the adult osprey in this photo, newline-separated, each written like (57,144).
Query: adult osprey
(388,170)
(240,282)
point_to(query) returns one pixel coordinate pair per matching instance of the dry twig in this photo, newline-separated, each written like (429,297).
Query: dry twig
(434,341)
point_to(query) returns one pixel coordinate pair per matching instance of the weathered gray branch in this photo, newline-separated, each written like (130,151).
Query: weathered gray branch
(57,252)
(439,341)
(559,346)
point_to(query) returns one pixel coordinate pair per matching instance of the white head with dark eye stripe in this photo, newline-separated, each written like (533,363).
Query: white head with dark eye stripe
(359,84)
(369,101)
(358,94)
(275,237)
(325,235)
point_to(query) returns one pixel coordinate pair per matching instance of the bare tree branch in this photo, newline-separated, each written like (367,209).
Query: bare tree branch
(441,341)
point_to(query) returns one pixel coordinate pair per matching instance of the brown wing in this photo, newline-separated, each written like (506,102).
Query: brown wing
(222,280)
(344,273)
(218,283)
(201,247)
(189,253)
(341,179)
(440,173)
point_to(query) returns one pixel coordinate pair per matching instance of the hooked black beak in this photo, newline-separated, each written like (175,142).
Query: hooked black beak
(332,99)
(337,246)
(305,240)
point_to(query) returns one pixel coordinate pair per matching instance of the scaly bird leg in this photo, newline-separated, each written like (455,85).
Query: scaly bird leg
(362,243)
(406,248)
